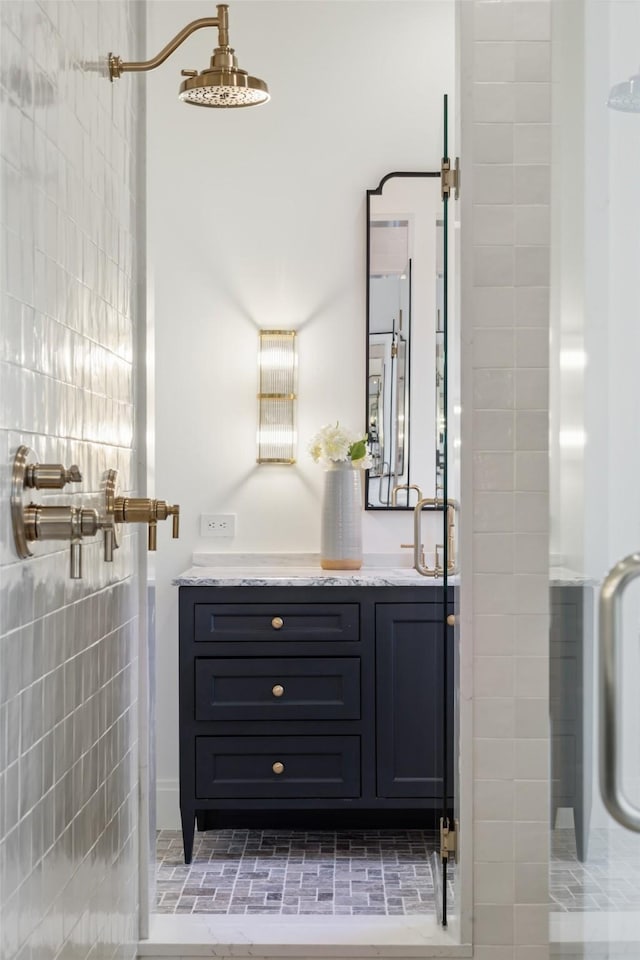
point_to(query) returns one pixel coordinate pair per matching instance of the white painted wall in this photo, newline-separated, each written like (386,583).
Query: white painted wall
(257,219)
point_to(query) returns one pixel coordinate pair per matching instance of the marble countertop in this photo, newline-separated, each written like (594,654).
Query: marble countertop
(222,576)
(564,577)
(303,570)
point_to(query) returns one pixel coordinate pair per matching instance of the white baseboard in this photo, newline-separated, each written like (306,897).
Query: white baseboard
(168,805)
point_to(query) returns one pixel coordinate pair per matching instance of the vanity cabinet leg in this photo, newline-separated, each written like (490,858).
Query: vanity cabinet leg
(188,818)
(581,825)
(201,820)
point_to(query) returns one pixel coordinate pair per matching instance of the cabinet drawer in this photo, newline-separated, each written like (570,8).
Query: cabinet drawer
(313,688)
(248,767)
(279,621)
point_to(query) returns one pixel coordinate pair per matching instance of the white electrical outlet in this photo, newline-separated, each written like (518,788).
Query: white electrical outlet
(217,525)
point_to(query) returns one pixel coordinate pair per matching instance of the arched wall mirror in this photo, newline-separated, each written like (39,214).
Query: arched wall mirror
(405,341)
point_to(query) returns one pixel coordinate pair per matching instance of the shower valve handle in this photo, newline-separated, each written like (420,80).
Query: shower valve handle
(62,523)
(108,544)
(145,510)
(50,476)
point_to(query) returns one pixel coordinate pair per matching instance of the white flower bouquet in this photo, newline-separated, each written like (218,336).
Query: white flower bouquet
(333,444)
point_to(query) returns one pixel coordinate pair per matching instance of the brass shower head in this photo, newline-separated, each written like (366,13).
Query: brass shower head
(222,84)
(626,96)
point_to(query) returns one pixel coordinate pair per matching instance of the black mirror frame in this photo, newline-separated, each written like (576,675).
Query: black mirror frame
(377,192)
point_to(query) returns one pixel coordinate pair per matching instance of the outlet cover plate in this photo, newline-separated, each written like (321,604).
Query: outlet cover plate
(217,525)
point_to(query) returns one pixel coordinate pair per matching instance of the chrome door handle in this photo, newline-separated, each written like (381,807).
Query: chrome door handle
(616,582)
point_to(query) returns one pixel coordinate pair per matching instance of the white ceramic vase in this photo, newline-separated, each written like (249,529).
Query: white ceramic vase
(341,536)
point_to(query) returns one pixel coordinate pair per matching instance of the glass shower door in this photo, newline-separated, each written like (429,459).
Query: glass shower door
(442,860)
(595,464)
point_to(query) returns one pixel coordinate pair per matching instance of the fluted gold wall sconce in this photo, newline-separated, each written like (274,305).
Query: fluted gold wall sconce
(221,84)
(277,363)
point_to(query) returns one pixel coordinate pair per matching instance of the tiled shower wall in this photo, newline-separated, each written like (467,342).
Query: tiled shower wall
(69,340)
(506,139)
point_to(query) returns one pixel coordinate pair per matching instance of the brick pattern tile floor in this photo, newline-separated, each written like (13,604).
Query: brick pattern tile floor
(609,879)
(383,872)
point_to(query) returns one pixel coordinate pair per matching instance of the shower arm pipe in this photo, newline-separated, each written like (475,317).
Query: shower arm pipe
(117,66)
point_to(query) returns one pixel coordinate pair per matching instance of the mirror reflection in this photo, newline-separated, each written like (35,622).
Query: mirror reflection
(405,351)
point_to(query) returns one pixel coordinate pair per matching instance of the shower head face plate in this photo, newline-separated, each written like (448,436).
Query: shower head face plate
(224,88)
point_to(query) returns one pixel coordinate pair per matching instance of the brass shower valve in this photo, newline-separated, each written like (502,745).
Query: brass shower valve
(34,522)
(144,510)
(50,476)
(119,510)
(37,522)
(62,523)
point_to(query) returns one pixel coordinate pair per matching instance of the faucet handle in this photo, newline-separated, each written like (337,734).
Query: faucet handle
(75,564)
(145,510)
(411,546)
(109,543)
(161,510)
(165,510)
(85,522)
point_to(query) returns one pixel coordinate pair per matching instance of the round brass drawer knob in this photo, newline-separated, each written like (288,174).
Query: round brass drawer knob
(278,690)
(278,767)
(277,623)
(451,620)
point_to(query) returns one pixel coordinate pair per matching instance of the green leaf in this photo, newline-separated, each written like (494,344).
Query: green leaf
(357,450)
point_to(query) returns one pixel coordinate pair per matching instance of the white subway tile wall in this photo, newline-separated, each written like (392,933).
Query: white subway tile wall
(68,649)
(506,141)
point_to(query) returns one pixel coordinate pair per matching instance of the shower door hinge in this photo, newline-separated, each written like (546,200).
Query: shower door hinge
(450,178)
(448,839)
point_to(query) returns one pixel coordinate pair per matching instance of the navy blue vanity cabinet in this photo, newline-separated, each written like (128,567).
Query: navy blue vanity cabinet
(310,701)
(410,701)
